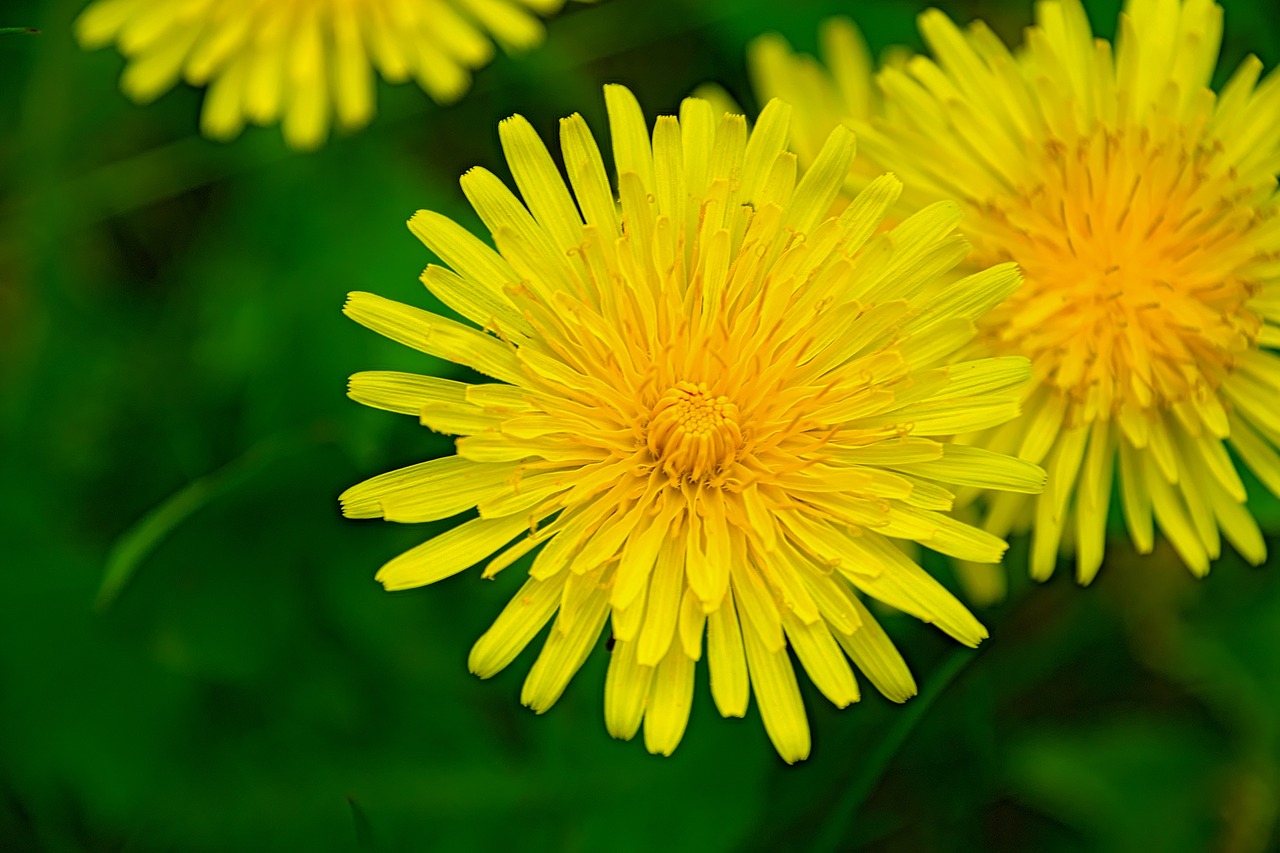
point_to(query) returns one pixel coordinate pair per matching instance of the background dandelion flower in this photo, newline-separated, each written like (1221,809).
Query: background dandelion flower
(1142,211)
(714,403)
(305,63)
(824,94)
(838,90)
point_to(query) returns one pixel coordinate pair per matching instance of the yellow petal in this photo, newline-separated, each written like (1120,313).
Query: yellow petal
(778,697)
(564,653)
(670,700)
(823,660)
(450,552)
(517,625)
(627,689)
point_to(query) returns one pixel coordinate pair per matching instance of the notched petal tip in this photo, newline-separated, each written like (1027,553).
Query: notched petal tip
(416,221)
(352,299)
(479,661)
(513,120)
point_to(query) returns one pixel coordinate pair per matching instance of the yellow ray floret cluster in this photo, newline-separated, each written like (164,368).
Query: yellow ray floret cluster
(305,63)
(714,405)
(1142,210)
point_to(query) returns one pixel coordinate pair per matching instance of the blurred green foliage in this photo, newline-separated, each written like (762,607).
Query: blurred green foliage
(171,349)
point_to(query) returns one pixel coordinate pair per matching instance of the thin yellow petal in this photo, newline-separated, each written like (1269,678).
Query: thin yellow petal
(876,656)
(450,552)
(670,700)
(434,335)
(516,626)
(726,660)
(823,660)
(564,653)
(778,697)
(666,588)
(627,689)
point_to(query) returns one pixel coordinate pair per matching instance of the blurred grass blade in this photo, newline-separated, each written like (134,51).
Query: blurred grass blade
(136,543)
(18,31)
(862,784)
(364,829)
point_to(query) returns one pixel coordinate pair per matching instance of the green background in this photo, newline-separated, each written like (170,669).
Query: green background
(171,349)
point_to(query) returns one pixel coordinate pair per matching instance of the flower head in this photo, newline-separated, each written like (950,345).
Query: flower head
(1142,210)
(306,63)
(714,405)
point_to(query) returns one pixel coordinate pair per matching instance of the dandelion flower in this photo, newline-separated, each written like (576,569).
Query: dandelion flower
(1142,211)
(838,90)
(305,63)
(713,405)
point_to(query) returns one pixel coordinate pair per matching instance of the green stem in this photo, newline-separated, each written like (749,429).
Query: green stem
(861,786)
(18,31)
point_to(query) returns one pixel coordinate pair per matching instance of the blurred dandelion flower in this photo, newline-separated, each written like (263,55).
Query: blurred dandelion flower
(305,63)
(839,89)
(713,404)
(1142,210)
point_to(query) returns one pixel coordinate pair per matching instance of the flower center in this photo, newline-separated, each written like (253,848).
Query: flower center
(1135,248)
(693,433)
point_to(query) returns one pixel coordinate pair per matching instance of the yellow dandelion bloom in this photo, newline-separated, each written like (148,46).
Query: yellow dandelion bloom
(304,63)
(1142,211)
(713,403)
(839,89)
